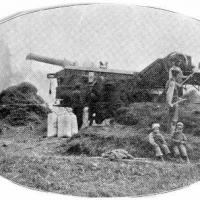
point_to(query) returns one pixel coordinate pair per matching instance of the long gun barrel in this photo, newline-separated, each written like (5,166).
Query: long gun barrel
(62,63)
(66,64)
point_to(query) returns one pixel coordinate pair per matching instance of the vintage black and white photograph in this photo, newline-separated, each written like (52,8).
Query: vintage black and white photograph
(100,100)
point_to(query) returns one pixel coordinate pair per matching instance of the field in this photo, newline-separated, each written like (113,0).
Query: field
(74,166)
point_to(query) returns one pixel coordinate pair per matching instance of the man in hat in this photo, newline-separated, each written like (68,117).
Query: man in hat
(77,104)
(158,142)
(172,99)
(180,77)
(173,95)
(179,141)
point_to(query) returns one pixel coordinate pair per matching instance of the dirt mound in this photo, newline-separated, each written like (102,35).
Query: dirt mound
(97,140)
(21,104)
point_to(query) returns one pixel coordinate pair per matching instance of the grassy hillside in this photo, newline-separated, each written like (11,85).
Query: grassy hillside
(74,166)
(96,177)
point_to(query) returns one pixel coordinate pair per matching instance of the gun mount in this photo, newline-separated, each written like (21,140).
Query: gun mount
(157,73)
(151,79)
(107,83)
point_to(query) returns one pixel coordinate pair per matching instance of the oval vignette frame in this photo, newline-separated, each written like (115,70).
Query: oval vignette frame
(41,163)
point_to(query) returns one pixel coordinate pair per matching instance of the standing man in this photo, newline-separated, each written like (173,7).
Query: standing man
(93,98)
(173,86)
(77,104)
(172,98)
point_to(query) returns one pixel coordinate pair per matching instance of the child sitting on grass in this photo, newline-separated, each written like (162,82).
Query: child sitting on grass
(158,142)
(179,141)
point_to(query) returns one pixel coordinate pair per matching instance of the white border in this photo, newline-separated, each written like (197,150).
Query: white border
(190,8)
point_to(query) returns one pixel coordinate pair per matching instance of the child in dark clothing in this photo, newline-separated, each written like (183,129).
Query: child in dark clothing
(157,140)
(179,141)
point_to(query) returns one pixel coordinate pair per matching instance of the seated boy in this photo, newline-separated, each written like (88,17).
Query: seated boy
(157,140)
(179,143)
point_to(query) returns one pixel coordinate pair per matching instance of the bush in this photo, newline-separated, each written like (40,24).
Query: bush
(20,105)
(143,115)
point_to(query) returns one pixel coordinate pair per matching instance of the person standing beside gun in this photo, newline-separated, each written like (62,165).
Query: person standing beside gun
(93,98)
(77,104)
(172,96)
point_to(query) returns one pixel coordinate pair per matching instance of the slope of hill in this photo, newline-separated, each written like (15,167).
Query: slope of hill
(74,165)
(36,162)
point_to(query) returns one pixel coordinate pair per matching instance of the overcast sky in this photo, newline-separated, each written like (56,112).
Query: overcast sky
(127,38)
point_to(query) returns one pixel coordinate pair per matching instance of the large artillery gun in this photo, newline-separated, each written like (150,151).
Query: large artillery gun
(109,85)
(115,88)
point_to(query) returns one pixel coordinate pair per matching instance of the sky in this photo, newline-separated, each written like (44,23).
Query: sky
(127,37)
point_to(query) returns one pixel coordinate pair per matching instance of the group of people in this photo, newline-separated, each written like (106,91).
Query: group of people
(77,104)
(178,144)
(174,93)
